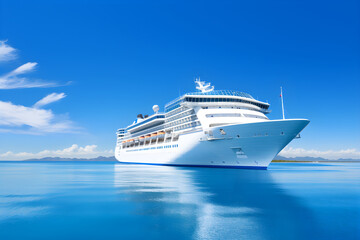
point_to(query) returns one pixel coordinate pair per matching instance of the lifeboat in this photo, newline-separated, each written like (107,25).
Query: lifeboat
(153,135)
(141,139)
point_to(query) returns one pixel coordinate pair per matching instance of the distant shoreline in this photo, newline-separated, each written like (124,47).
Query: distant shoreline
(312,161)
(278,159)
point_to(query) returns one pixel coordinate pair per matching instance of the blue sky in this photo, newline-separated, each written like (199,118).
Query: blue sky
(106,61)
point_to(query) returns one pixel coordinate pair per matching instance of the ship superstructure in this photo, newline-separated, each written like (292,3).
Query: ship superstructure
(213,128)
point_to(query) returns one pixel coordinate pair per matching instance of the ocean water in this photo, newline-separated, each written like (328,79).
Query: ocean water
(91,200)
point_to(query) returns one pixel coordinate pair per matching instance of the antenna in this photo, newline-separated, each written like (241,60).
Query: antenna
(282,103)
(202,86)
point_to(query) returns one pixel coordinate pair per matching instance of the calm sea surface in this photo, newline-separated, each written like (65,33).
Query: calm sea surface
(69,200)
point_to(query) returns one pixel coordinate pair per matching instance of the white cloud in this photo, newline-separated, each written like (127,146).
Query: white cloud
(53,97)
(75,151)
(12,80)
(21,119)
(330,154)
(7,52)
(25,68)
(28,120)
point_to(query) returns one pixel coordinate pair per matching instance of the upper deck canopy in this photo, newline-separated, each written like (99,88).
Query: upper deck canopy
(150,121)
(223,93)
(216,96)
(215,92)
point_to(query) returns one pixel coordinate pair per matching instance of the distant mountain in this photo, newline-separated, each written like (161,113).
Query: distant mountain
(313,159)
(58,159)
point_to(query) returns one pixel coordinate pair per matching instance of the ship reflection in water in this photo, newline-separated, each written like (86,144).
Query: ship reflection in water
(221,204)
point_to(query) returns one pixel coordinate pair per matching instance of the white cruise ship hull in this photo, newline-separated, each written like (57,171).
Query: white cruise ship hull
(246,145)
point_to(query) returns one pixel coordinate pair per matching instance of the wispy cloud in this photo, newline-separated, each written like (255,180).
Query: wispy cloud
(53,97)
(25,68)
(330,154)
(12,80)
(7,52)
(74,151)
(21,119)
(29,120)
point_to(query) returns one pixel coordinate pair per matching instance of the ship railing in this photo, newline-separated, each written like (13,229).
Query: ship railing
(173,101)
(266,111)
(215,92)
(147,131)
(223,93)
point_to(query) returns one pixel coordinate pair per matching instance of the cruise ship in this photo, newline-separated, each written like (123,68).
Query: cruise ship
(207,128)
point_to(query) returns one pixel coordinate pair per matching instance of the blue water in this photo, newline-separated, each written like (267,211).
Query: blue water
(57,200)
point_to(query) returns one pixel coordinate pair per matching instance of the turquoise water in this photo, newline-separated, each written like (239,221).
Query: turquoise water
(69,200)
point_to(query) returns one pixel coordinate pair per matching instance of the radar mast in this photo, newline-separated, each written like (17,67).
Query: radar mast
(202,86)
